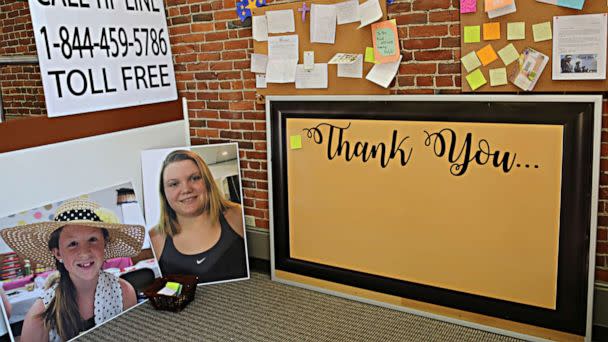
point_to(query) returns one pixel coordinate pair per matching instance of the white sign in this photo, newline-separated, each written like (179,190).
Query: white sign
(102,54)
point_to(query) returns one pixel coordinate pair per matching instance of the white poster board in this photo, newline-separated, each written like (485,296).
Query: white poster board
(102,54)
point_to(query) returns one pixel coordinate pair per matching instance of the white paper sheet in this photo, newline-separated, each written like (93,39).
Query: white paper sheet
(347,12)
(383,74)
(322,24)
(260,81)
(343,58)
(502,11)
(282,59)
(260,28)
(352,70)
(309,60)
(579,47)
(282,71)
(280,21)
(311,79)
(258,63)
(369,11)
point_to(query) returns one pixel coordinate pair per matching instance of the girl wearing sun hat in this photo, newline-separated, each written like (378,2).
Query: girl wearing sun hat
(81,237)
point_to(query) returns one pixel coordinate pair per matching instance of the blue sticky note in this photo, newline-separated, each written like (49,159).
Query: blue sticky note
(576,4)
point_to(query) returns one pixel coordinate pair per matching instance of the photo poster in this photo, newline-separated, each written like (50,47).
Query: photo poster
(205,261)
(453,206)
(24,282)
(98,55)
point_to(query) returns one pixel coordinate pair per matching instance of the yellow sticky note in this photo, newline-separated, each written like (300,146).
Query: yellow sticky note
(295,141)
(498,77)
(369,55)
(508,54)
(471,34)
(516,31)
(487,55)
(470,61)
(476,79)
(491,31)
(542,32)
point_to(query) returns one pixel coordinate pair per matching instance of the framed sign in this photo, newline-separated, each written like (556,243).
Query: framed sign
(106,54)
(481,205)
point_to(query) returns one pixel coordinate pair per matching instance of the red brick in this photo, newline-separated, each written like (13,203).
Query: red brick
(421,43)
(444,16)
(426,5)
(601,274)
(411,18)
(435,55)
(417,68)
(428,31)
(602,233)
(444,81)
(424,81)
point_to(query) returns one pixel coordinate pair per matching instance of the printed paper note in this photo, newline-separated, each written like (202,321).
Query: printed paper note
(280,21)
(352,70)
(309,60)
(468,6)
(347,12)
(383,74)
(259,28)
(471,34)
(487,55)
(322,24)
(311,79)
(283,56)
(470,61)
(499,12)
(295,141)
(516,30)
(369,11)
(508,54)
(491,31)
(369,55)
(260,81)
(476,79)
(542,32)
(386,42)
(498,77)
(531,66)
(490,5)
(343,58)
(258,63)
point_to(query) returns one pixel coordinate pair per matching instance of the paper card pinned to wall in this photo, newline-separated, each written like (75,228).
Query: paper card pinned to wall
(542,32)
(280,21)
(502,11)
(369,55)
(322,24)
(491,31)
(468,6)
(476,79)
(486,55)
(575,4)
(516,30)
(311,79)
(295,142)
(309,60)
(260,81)
(491,5)
(352,70)
(370,12)
(470,61)
(383,74)
(259,27)
(531,65)
(347,12)
(343,58)
(386,41)
(472,34)
(258,63)
(508,54)
(498,77)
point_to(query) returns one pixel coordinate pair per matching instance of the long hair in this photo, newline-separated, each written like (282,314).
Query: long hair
(216,204)
(62,313)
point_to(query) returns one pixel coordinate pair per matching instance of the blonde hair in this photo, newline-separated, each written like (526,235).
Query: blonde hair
(216,204)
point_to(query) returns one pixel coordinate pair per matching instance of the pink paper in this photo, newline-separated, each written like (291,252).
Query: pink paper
(468,6)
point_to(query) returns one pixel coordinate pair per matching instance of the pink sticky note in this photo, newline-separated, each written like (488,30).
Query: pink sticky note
(468,6)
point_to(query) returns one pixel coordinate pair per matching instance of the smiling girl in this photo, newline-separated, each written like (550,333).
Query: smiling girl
(78,241)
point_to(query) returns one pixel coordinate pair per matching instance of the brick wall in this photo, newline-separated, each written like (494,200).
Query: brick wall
(211,50)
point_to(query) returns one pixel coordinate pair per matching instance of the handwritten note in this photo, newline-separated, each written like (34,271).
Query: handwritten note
(386,42)
(322,24)
(470,61)
(280,21)
(347,12)
(508,54)
(369,12)
(476,79)
(487,55)
(498,77)
(352,70)
(516,31)
(471,34)
(259,28)
(491,31)
(468,6)
(542,32)
(383,74)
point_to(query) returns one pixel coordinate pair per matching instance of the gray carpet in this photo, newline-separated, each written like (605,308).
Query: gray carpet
(261,310)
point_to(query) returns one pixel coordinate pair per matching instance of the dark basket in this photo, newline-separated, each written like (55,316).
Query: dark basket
(172,303)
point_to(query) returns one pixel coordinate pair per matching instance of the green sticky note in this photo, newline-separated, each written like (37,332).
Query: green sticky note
(508,54)
(472,34)
(369,55)
(173,285)
(476,79)
(516,31)
(470,61)
(498,77)
(542,32)
(295,141)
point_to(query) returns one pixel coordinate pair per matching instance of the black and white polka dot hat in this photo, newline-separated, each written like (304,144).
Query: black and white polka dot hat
(31,240)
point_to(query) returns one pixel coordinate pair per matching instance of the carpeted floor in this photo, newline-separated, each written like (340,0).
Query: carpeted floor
(261,310)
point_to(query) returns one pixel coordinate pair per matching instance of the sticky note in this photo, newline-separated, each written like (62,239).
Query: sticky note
(173,285)
(491,31)
(369,55)
(516,31)
(468,6)
(498,77)
(542,32)
(576,4)
(508,54)
(471,34)
(470,61)
(486,55)
(476,79)
(295,142)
